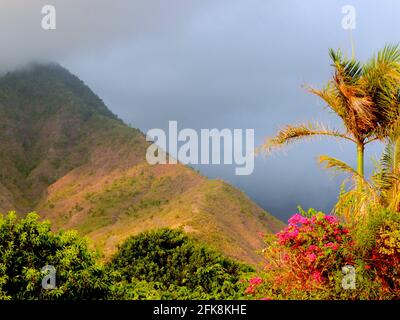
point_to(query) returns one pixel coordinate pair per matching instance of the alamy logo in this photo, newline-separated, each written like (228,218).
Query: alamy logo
(49,20)
(349,278)
(349,20)
(213,146)
(49,279)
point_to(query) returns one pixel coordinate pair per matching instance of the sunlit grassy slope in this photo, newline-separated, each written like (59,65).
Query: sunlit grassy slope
(65,155)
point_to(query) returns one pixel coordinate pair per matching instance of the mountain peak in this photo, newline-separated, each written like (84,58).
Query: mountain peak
(66,156)
(45,84)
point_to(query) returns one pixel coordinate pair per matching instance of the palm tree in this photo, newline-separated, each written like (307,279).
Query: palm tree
(365,97)
(382,191)
(387,175)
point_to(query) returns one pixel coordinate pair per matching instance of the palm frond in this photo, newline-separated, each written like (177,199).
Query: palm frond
(290,134)
(381,74)
(385,175)
(390,128)
(332,98)
(351,69)
(338,166)
(390,53)
(354,204)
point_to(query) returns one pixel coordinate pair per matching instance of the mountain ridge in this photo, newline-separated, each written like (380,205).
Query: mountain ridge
(65,155)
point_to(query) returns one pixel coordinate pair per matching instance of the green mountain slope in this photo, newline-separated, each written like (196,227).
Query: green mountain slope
(65,155)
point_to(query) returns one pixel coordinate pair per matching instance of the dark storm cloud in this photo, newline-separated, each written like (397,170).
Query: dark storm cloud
(92,25)
(210,63)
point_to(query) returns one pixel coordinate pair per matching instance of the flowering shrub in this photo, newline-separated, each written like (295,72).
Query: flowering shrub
(380,240)
(385,256)
(305,260)
(304,257)
(310,250)
(253,283)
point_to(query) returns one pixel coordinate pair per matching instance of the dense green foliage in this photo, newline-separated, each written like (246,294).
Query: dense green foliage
(176,267)
(28,245)
(162,264)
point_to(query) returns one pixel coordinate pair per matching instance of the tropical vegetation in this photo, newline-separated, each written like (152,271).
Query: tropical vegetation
(159,264)
(352,252)
(317,254)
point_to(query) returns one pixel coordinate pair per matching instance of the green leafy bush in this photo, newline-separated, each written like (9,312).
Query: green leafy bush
(162,264)
(26,246)
(174,266)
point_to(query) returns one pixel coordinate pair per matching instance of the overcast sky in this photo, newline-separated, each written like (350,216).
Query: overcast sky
(211,64)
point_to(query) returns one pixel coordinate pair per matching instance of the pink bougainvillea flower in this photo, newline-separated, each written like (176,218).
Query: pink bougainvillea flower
(255,281)
(313,247)
(297,219)
(311,257)
(317,276)
(338,238)
(266,298)
(288,234)
(333,246)
(331,219)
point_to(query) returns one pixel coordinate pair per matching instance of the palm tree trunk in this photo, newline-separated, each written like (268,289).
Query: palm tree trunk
(360,159)
(360,162)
